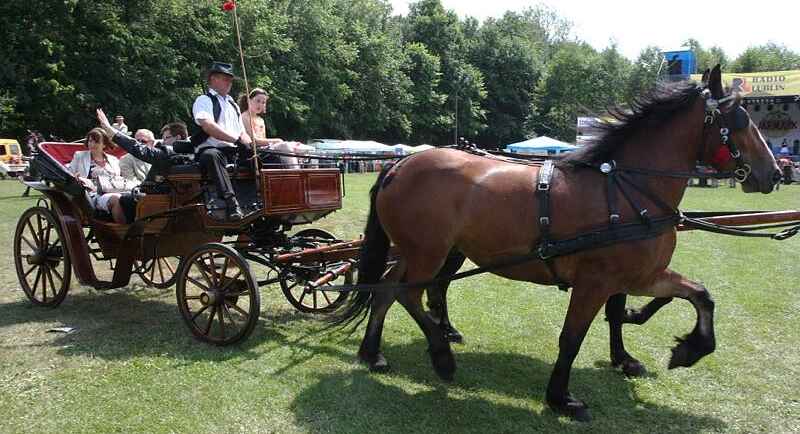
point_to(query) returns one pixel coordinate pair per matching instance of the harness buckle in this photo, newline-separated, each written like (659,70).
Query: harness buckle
(613,218)
(542,252)
(543,186)
(544,221)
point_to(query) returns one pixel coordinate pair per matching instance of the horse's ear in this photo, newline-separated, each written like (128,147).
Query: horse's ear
(704,80)
(715,82)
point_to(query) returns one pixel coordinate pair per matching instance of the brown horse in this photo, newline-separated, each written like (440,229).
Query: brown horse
(447,200)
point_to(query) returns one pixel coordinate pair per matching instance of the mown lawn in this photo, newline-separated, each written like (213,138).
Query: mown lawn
(133,367)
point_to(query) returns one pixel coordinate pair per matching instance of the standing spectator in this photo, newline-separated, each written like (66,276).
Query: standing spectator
(133,168)
(119,124)
(222,132)
(784,152)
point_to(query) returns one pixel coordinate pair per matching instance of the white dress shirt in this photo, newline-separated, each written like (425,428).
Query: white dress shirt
(230,119)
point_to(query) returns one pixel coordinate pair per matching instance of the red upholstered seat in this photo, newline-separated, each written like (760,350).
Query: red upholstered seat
(63,152)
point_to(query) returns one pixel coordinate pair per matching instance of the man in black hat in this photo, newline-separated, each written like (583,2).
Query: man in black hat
(222,133)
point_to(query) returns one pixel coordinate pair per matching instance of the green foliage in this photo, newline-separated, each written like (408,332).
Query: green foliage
(333,68)
(769,57)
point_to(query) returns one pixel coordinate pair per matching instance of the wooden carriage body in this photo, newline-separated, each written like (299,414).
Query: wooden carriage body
(174,223)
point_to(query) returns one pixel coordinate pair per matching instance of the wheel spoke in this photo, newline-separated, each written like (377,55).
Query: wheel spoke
(28,242)
(192,279)
(44,284)
(225,267)
(326,297)
(192,297)
(230,316)
(36,281)
(160,270)
(196,314)
(239,309)
(212,267)
(169,267)
(210,321)
(315,299)
(33,232)
(47,231)
(228,283)
(152,272)
(302,296)
(52,285)
(201,266)
(221,316)
(60,277)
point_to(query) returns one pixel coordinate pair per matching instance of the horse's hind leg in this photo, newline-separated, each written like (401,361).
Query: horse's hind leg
(583,307)
(615,310)
(437,298)
(369,352)
(441,355)
(701,340)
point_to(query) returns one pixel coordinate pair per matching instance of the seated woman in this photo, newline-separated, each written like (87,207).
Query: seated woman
(252,108)
(96,162)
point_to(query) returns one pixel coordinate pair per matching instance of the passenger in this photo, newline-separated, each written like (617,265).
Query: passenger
(96,162)
(159,155)
(254,107)
(222,131)
(132,168)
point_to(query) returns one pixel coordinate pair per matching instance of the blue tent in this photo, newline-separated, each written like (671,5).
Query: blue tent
(540,146)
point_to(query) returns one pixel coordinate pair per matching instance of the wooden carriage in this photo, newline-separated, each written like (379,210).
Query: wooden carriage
(174,240)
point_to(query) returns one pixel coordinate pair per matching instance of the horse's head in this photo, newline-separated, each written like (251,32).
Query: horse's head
(734,142)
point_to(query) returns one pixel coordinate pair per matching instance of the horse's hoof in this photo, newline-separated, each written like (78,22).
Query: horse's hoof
(444,364)
(689,350)
(631,367)
(375,363)
(573,408)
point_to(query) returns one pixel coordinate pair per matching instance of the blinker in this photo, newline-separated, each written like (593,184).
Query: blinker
(739,119)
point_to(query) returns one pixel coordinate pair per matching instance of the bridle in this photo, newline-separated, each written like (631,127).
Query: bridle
(728,122)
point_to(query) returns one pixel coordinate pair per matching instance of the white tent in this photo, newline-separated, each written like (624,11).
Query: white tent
(354,146)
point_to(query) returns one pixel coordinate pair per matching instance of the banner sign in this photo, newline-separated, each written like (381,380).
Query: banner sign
(762,84)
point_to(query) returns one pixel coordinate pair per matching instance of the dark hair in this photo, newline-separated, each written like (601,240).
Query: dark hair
(176,129)
(244,101)
(99,135)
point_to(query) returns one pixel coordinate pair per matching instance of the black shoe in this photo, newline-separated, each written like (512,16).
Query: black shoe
(217,209)
(234,212)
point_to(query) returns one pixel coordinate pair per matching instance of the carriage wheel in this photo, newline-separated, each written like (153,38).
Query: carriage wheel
(159,273)
(217,295)
(295,282)
(41,259)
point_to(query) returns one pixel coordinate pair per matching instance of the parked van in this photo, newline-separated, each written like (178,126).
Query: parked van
(11,157)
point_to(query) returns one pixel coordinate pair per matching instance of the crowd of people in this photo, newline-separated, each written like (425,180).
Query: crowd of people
(226,132)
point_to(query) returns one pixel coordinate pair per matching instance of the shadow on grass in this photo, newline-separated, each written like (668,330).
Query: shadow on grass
(491,393)
(124,325)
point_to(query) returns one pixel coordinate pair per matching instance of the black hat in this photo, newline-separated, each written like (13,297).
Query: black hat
(222,68)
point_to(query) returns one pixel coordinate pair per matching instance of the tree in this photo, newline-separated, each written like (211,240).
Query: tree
(769,57)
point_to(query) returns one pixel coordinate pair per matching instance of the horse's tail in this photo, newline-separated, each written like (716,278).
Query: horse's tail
(372,262)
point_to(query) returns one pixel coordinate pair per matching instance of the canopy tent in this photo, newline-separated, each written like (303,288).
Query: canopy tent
(541,146)
(353,146)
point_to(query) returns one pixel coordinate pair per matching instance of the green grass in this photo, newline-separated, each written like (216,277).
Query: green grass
(133,367)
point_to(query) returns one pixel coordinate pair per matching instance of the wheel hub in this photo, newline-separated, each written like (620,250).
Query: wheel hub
(212,297)
(37,258)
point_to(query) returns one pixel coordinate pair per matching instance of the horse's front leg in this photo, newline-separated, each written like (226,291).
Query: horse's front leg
(615,311)
(370,350)
(642,315)
(700,341)
(583,307)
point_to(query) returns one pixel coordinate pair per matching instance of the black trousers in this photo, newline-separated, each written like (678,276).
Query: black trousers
(212,165)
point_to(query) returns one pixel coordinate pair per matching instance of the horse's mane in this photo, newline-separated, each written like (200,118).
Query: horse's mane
(645,111)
